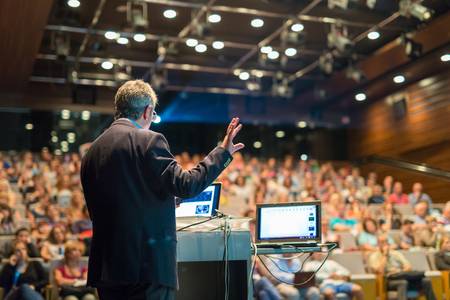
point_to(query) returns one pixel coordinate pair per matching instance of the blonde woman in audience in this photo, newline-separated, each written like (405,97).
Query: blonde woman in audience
(71,275)
(7,196)
(75,211)
(53,248)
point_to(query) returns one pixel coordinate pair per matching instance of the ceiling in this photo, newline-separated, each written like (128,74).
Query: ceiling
(88,46)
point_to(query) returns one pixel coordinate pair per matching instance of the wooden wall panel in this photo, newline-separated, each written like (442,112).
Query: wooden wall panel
(422,135)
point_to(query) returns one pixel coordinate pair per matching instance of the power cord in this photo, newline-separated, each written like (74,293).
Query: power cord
(201,222)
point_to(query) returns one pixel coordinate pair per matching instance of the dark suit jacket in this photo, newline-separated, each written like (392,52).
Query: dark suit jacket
(130,179)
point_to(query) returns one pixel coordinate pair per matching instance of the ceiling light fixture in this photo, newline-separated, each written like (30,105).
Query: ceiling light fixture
(257,23)
(360,97)
(191,42)
(170,13)
(290,52)
(445,57)
(139,37)
(399,79)
(214,18)
(111,35)
(266,49)
(122,40)
(273,54)
(107,65)
(200,48)
(73,3)
(218,45)
(302,124)
(244,76)
(373,35)
(297,27)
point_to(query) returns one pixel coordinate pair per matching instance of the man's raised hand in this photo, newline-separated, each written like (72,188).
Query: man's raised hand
(233,128)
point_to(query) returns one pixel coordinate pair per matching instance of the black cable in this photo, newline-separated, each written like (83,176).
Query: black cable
(198,223)
(296,284)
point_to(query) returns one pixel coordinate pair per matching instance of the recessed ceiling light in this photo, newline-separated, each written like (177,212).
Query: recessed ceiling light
(257,23)
(257,144)
(244,76)
(280,134)
(170,13)
(218,45)
(111,35)
(360,97)
(85,115)
(373,35)
(266,49)
(214,18)
(200,48)
(290,51)
(297,27)
(122,40)
(399,79)
(302,124)
(273,54)
(73,3)
(65,114)
(445,57)
(29,126)
(191,42)
(107,65)
(258,73)
(139,37)
(54,139)
(304,157)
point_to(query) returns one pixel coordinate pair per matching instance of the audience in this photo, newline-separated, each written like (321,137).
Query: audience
(42,203)
(442,258)
(21,278)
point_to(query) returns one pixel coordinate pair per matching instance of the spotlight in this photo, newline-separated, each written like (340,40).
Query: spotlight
(54,139)
(29,126)
(257,23)
(65,114)
(191,42)
(111,35)
(326,63)
(218,45)
(266,49)
(85,115)
(257,144)
(360,97)
(290,52)
(139,37)
(302,124)
(214,18)
(412,49)
(304,157)
(280,134)
(122,41)
(409,8)
(244,76)
(200,48)
(157,119)
(445,57)
(337,38)
(399,79)
(107,65)
(273,54)
(297,27)
(170,13)
(373,35)
(73,3)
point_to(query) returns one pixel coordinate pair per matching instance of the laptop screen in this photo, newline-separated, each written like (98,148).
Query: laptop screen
(202,205)
(288,222)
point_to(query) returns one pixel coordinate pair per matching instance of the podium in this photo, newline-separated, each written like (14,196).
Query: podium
(201,262)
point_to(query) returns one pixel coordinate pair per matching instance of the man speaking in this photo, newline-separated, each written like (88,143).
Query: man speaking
(130,180)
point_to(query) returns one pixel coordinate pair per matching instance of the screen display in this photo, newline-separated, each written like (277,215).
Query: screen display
(202,205)
(289,222)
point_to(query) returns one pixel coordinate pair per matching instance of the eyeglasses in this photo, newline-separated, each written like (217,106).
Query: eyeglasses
(154,116)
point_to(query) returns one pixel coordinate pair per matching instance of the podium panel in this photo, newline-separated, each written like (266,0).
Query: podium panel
(201,267)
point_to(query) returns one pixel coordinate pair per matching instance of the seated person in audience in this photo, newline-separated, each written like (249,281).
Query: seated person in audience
(332,277)
(398,197)
(395,267)
(22,235)
(264,289)
(421,210)
(387,186)
(445,218)
(54,214)
(38,210)
(282,274)
(75,211)
(341,223)
(71,275)
(7,196)
(418,195)
(367,239)
(53,248)
(390,218)
(377,195)
(7,224)
(21,278)
(41,232)
(407,239)
(442,258)
(426,235)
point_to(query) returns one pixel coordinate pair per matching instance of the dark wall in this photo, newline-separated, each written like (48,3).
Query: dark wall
(421,135)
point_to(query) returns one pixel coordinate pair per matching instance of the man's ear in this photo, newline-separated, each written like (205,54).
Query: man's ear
(146,113)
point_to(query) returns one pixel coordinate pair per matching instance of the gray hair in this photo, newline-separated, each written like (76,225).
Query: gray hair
(132,98)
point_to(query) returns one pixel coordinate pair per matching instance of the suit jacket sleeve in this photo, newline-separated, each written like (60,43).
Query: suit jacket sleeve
(185,183)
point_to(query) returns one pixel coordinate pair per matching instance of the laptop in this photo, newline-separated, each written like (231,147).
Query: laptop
(204,204)
(295,224)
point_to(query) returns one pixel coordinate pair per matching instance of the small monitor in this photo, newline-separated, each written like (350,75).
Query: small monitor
(202,205)
(288,222)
